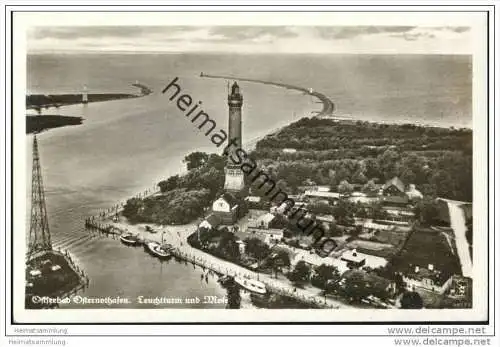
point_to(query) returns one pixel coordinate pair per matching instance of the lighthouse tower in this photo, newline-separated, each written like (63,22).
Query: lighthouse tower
(85,95)
(235,180)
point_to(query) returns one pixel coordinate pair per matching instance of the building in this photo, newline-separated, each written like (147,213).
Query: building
(428,279)
(85,95)
(393,193)
(413,193)
(270,236)
(234,180)
(264,221)
(319,195)
(211,222)
(257,203)
(226,208)
(353,259)
(460,288)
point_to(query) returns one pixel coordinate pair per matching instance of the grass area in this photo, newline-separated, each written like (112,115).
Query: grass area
(424,247)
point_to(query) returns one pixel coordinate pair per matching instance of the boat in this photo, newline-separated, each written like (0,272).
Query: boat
(226,280)
(148,246)
(129,239)
(151,230)
(161,253)
(157,250)
(253,286)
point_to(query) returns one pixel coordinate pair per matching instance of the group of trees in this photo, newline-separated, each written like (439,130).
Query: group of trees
(219,242)
(437,160)
(326,277)
(178,206)
(276,260)
(183,198)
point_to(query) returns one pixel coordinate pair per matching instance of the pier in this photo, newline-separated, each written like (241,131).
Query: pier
(328,105)
(177,237)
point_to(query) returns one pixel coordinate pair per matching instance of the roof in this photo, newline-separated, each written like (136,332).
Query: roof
(253,198)
(352,256)
(266,218)
(413,193)
(395,199)
(230,199)
(321,194)
(395,181)
(213,220)
(277,232)
(436,276)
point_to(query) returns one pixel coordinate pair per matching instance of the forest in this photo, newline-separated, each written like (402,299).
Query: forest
(437,160)
(341,155)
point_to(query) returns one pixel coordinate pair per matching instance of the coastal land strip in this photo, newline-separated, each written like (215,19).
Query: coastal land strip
(38,123)
(328,105)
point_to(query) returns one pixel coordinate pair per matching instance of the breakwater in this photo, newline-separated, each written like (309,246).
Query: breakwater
(328,105)
(36,124)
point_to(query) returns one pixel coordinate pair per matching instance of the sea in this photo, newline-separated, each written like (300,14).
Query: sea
(126,146)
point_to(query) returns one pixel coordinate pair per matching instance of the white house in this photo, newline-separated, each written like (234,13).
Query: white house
(226,208)
(264,221)
(428,279)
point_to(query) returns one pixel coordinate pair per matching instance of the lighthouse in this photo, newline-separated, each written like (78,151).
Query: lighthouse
(234,180)
(85,95)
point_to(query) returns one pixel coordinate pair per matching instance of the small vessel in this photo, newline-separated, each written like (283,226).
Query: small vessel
(151,230)
(157,250)
(251,285)
(148,246)
(129,239)
(226,280)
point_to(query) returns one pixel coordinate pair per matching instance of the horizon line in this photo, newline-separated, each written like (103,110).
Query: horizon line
(72,52)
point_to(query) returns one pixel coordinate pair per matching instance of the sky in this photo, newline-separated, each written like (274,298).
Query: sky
(253,39)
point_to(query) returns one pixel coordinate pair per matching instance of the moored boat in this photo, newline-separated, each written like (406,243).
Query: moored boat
(148,246)
(226,280)
(157,250)
(251,285)
(129,239)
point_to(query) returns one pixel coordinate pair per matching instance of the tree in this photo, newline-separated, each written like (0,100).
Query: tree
(355,286)
(256,248)
(326,277)
(427,211)
(343,211)
(132,209)
(345,187)
(300,273)
(228,247)
(171,183)
(411,300)
(370,187)
(195,160)
(278,260)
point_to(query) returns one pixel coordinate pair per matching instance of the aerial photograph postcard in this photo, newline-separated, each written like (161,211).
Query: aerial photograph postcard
(252,167)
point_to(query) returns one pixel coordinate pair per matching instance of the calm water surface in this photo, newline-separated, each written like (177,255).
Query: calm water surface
(126,146)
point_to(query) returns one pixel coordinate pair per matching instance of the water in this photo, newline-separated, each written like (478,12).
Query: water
(126,146)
